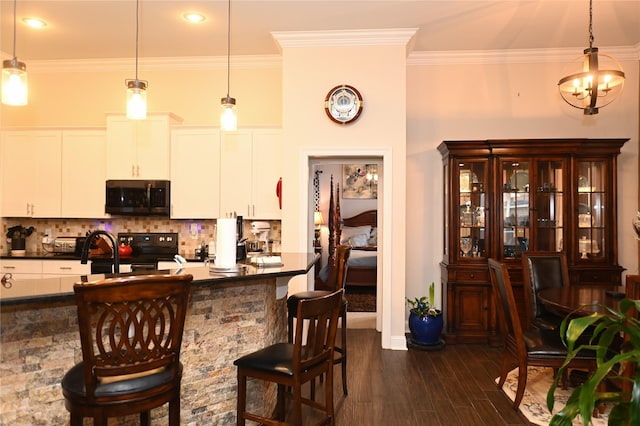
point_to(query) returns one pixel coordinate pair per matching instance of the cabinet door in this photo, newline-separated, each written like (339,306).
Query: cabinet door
(548,218)
(471,312)
(153,147)
(515,213)
(471,203)
(83,173)
(593,213)
(17,181)
(31,173)
(266,171)
(21,269)
(195,174)
(121,149)
(138,149)
(236,170)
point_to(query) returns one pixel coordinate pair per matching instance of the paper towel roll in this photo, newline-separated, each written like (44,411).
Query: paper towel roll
(226,243)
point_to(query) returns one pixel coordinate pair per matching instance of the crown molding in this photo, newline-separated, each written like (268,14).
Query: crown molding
(394,36)
(155,64)
(516,56)
(458,57)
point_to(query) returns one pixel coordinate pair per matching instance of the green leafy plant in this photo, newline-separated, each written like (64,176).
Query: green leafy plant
(611,358)
(423,307)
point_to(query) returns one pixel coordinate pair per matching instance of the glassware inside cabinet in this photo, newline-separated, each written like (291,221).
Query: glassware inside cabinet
(473,204)
(515,208)
(549,205)
(592,211)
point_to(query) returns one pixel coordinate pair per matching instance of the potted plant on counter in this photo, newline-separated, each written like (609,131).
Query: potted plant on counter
(425,320)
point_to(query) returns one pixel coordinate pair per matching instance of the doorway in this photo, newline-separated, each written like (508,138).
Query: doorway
(357,183)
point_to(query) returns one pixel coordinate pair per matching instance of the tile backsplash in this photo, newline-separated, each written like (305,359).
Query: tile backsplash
(204,230)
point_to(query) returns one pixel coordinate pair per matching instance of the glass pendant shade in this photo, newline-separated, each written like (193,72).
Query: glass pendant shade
(14,83)
(598,83)
(136,100)
(228,116)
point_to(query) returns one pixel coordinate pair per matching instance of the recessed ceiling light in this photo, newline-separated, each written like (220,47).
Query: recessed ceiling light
(195,17)
(34,22)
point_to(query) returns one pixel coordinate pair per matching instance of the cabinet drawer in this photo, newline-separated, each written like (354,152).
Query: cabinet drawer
(479,275)
(65,267)
(21,266)
(604,277)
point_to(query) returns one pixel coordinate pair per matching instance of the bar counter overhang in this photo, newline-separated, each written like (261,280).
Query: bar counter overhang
(228,316)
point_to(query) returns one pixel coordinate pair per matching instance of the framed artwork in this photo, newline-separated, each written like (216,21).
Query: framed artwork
(360,181)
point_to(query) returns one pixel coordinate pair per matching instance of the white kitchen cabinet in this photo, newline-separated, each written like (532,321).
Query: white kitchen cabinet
(83,173)
(250,167)
(58,268)
(31,173)
(139,149)
(195,173)
(21,269)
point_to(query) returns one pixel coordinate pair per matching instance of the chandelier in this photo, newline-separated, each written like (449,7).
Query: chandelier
(14,75)
(598,83)
(137,89)
(228,117)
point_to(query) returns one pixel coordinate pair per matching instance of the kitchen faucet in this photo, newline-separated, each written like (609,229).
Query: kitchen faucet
(87,244)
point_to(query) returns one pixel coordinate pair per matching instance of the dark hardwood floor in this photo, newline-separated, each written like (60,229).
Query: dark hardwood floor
(454,386)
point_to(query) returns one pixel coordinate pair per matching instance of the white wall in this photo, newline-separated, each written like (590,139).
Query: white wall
(379,73)
(494,101)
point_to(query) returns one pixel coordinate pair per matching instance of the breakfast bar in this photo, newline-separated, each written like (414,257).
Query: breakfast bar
(229,315)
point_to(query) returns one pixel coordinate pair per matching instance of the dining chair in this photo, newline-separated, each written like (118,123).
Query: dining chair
(290,365)
(543,270)
(336,282)
(525,346)
(130,333)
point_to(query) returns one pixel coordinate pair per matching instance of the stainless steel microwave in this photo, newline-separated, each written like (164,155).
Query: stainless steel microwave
(138,197)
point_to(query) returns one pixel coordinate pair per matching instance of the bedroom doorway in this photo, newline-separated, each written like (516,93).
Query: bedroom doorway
(357,183)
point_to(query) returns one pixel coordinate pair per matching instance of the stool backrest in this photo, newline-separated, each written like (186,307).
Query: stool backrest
(314,349)
(131,326)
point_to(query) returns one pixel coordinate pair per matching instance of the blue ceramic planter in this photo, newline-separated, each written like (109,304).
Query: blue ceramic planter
(425,330)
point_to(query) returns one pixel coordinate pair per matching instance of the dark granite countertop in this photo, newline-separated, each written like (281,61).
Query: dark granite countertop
(25,291)
(71,256)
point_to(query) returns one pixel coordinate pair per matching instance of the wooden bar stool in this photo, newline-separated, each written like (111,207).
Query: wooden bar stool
(130,332)
(291,365)
(338,280)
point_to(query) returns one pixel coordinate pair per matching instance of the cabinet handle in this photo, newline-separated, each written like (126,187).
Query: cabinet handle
(27,209)
(133,170)
(248,210)
(472,275)
(9,267)
(66,268)
(138,170)
(254,210)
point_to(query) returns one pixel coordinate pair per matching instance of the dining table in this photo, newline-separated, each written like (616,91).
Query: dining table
(581,300)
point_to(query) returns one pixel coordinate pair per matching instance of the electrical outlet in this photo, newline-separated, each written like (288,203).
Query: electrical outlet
(193,231)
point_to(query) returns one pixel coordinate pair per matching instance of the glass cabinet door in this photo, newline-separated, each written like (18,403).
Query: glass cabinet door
(592,212)
(515,208)
(549,206)
(472,196)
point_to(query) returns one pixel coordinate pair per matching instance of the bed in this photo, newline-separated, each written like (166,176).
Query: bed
(358,231)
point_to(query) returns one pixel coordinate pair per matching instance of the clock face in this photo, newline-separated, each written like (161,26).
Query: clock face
(343,104)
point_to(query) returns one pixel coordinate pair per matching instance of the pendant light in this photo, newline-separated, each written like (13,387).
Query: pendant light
(598,83)
(137,89)
(228,117)
(14,75)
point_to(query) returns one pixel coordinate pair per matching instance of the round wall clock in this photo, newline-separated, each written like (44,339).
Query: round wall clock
(343,104)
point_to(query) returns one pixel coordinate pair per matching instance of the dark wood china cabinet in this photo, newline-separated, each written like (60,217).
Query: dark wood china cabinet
(504,197)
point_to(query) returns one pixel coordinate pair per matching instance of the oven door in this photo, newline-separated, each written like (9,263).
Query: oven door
(147,266)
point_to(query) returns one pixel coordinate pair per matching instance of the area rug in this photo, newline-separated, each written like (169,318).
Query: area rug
(361,299)
(534,402)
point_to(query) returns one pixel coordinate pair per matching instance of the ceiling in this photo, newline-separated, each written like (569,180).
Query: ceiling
(89,29)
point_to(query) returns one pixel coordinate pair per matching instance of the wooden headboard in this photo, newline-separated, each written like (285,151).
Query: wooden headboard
(369,217)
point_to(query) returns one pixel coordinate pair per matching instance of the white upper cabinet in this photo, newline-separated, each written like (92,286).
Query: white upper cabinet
(31,173)
(195,173)
(83,173)
(139,149)
(250,167)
